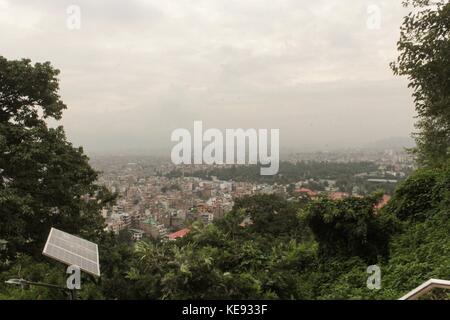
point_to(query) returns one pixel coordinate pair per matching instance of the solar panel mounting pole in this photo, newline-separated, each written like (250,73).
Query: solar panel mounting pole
(23,283)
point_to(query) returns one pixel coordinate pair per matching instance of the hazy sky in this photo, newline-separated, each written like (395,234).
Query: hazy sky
(137,69)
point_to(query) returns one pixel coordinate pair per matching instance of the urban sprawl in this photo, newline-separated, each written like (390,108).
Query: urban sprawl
(154,203)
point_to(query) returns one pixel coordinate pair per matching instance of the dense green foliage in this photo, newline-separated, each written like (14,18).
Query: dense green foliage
(350,227)
(317,250)
(424,58)
(347,176)
(288,172)
(44,180)
(226,260)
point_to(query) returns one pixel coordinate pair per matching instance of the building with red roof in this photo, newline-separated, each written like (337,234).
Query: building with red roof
(383,201)
(179,234)
(306,191)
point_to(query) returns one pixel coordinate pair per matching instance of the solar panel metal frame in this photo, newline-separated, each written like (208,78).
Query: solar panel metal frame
(72,251)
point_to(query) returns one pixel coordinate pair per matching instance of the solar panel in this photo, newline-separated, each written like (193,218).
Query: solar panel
(72,250)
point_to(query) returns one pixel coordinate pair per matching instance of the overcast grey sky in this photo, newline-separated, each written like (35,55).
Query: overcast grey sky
(138,69)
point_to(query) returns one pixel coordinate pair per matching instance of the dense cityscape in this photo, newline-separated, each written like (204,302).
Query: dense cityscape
(154,202)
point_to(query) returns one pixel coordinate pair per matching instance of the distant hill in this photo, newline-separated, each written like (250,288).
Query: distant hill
(392,143)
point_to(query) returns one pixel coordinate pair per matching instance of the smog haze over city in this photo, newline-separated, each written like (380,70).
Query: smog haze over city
(136,70)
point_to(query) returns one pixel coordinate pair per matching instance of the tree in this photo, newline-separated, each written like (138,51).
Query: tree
(417,198)
(350,227)
(31,270)
(273,216)
(213,262)
(44,181)
(424,58)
